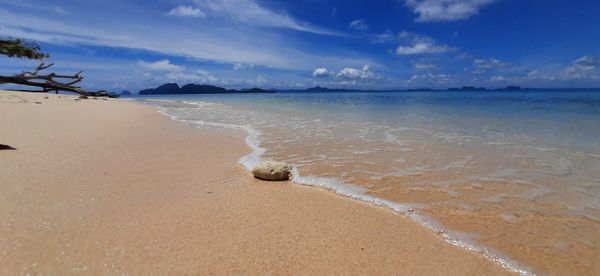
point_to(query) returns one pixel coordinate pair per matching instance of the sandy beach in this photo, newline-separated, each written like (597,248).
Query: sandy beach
(113,187)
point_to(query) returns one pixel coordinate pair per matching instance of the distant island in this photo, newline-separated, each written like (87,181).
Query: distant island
(509,88)
(473,88)
(174,89)
(464,88)
(188,89)
(325,89)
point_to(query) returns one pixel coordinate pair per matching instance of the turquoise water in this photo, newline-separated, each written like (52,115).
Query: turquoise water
(568,118)
(509,153)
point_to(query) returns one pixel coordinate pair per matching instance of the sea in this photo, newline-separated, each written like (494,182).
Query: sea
(512,175)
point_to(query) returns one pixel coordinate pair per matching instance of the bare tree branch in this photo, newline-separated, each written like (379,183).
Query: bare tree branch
(49,82)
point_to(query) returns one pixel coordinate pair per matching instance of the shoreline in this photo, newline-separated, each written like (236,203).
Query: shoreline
(338,187)
(156,203)
(505,189)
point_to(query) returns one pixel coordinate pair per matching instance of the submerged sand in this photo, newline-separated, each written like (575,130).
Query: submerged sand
(105,187)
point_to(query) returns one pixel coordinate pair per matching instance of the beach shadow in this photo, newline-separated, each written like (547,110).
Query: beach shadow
(6,147)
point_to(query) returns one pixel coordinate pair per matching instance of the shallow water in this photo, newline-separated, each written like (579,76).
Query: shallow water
(515,176)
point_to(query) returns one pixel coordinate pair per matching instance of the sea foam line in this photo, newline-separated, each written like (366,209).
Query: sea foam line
(249,161)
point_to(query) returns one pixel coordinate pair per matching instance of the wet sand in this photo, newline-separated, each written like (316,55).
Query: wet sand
(106,187)
(520,219)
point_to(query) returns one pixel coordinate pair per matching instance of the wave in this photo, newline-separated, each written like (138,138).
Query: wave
(250,160)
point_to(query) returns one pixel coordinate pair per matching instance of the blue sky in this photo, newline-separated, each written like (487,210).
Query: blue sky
(296,44)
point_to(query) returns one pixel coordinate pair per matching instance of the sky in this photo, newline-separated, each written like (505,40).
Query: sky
(376,44)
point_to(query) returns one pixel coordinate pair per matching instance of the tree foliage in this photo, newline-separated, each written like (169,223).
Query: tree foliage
(19,48)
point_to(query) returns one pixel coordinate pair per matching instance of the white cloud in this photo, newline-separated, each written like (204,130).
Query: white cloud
(421,48)
(583,71)
(359,25)
(487,63)
(252,13)
(497,79)
(187,11)
(418,44)
(164,70)
(483,66)
(385,37)
(348,73)
(322,72)
(584,67)
(432,79)
(260,79)
(196,76)
(355,74)
(243,66)
(445,10)
(222,40)
(161,65)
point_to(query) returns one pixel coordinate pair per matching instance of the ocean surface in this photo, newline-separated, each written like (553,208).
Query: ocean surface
(514,176)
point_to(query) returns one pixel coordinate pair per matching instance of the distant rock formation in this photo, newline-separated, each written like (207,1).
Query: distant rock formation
(173,88)
(323,89)
(203,89)
(167,88)
(275,171)
(467,88)
(256,90)
(125,93)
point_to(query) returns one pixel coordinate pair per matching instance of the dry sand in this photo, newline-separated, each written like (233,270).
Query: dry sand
(113,187)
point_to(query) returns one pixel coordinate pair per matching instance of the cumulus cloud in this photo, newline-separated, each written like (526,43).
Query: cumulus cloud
(164,70)
(418,44)
(355,74)
(161,65)
(322,72)
(359,25)
(348,73)
(421,48)
(445,10)
(186,11)
(196,76)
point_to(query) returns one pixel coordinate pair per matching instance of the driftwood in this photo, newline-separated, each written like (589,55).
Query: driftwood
(50,82)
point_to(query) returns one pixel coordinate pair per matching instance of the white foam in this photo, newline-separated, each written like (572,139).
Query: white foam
(411,210)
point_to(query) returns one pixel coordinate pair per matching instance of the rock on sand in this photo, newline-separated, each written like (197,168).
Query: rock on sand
(271,170)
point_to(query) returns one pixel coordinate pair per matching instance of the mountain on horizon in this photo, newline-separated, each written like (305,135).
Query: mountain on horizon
(174,89)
